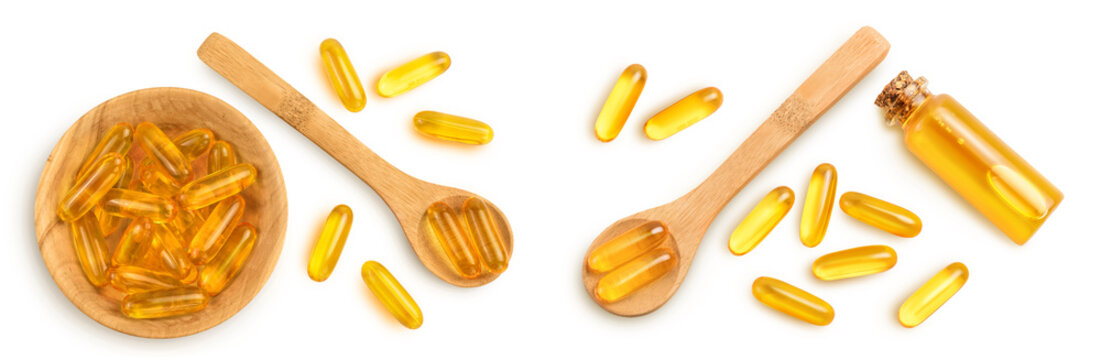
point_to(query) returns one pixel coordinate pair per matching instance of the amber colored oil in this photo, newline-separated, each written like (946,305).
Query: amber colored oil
(970,158)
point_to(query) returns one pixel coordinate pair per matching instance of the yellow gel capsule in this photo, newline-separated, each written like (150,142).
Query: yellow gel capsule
(167,254)
(620,102)
(393,296)
(133,279)
(164,153)
(194,143)
(215,187)
(451,236)
(221,270)
(164,303)
(761,220)
(221,157)
(191,144)
(91,249)
(635,274)
(452,128)
(330,244)
(932,295)
(818,205)
(793,301)
(90,188)
(342,75)
(134,240)
(483,231)
(117,140)
(860,261)
(413,74)
(137,204)
(683,113)
(628,245)
(881,214)
(216,229)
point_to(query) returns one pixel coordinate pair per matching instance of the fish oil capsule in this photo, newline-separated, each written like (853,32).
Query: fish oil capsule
(393,296)
(221,270)
(117,140)
(683,113)
(452,128)
(133,279)
(216,229)
(134,240)
(628,245)
(930,296)
(860,261)
(969,157)
(330,244)
(221,157)
(447,230)
(166,156)
(881,214)
(342,75)
(793,301)
(164,303)
(167,253)
(215,187)
(90,188)
(620,102)
(761,220)
(635,274)
(485,235)
(194,143)
(91,249)
(818,205)
(137,204)
(413,74)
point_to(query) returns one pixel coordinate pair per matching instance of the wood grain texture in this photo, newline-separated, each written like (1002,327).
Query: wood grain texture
(689,216)
(174,110)
(407,197)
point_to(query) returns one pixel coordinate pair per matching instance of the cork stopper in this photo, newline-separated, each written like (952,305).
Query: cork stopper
(901,96)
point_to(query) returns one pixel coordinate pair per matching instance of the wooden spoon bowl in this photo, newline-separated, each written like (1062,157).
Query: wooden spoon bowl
(641,301)
(407,196)
(174,110)
(688,217)
(431,251)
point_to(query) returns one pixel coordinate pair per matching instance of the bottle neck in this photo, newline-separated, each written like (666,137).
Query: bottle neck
(901,97)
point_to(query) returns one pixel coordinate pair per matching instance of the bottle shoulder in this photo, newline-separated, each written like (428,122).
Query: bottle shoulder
(937,106)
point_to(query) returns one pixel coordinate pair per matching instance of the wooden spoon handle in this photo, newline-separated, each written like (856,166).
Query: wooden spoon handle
(847,66)
(259,82)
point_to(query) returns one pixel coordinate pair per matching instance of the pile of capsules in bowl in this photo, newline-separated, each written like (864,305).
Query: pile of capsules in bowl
(178,206)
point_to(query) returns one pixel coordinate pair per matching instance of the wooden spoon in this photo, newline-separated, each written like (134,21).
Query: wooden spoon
(688,217)
(407,197)
(174,110)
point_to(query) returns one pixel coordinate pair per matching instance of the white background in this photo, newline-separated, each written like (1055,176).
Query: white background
(539,73)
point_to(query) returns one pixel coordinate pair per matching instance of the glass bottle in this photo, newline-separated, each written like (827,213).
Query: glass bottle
(969,157)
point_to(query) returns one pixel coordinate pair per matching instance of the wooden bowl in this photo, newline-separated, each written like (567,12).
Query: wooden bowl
(174,110)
